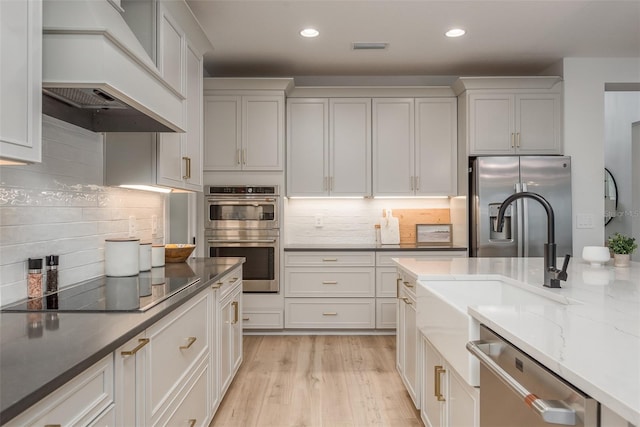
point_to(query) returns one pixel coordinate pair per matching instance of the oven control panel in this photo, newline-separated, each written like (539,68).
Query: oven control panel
(242,189)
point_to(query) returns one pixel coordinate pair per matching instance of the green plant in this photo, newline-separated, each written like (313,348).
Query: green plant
(621,244)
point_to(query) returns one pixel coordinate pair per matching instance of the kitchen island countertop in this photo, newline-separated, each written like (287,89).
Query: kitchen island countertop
(593,342)
(32,367)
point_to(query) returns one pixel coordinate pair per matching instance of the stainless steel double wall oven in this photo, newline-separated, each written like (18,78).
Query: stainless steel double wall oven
(243,221)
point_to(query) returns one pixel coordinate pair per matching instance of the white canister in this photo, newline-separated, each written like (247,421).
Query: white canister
(157,256)
(121,257)
(145,256)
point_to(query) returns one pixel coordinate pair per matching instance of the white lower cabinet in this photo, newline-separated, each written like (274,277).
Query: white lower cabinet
(447,400)
(83,401)
(330,290)
(407,349)
(229,343)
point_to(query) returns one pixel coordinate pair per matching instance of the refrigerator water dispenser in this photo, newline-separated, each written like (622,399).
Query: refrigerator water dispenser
(505,234)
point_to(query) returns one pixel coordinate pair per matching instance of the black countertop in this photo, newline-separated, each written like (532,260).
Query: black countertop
(373,247)
(32,365)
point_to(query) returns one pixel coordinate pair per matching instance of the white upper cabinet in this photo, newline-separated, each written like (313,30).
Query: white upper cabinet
(244,132)
(414,146)
(511,115)
(436,140)
(393,147)
(20,81)
(329,147)
(171,49)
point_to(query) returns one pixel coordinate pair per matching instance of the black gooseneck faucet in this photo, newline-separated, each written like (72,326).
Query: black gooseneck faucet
(552,276)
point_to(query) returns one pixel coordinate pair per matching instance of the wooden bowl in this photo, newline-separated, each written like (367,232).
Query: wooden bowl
(177,252)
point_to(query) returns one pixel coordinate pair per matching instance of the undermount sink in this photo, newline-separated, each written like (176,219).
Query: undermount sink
(443,319)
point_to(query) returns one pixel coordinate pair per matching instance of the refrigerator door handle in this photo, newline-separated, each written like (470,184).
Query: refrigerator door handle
(525,223)
(519,217)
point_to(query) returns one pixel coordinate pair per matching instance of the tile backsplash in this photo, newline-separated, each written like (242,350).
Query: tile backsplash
(60,207)
(344,221)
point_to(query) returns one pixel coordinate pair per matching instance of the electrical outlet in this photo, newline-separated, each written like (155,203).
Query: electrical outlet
(133,229)
(319,222)
(584,221)
(154,225)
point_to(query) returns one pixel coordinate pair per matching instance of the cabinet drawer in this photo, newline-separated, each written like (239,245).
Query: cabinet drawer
(327,313)
(386,309)
(78,402)
(257,319)
(228,282)
(190,407)
(106,419)
(335,282)
(330,258)
(407,283)
(176,343)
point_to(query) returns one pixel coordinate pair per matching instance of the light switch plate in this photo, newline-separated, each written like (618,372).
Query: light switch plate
(584,221)
(132,226)
(319,222)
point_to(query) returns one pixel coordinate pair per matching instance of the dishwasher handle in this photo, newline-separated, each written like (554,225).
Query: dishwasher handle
(551,411)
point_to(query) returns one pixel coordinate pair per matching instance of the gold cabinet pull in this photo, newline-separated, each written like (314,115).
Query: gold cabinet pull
(233,279)
(244,156)
(518,139)
(408,284)
(141,343)
(437,392)
(216,285)
(398,280)
(235,312)
(187,167)
(330,313)
(246,319)
(329,282)
(406,300)
(190,340)
(238,156)
(329,259)
(53,425)
(192,422)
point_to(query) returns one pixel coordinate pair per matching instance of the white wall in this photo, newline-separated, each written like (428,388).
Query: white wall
(584,81)
(59,207)
(621,109)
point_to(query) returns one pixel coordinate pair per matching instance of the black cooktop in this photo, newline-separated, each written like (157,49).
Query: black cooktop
(125,294)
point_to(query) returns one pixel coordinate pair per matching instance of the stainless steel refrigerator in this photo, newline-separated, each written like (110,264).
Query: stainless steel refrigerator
(493,179)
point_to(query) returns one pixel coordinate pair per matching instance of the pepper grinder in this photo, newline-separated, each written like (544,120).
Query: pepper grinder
(34,278)
(52,273)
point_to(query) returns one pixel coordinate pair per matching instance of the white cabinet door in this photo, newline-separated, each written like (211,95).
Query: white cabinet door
(222,132)
(230,336)
(491,123)
(307,147)
(169,159)
(407,342)
(262,133)
(192,149)
(171,49)
(538,123)
(434,387)
(393,147)
(350,147)
(436,143)
(463,402)
(21,80)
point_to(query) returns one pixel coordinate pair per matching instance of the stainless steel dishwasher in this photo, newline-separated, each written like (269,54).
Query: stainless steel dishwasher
(516,390)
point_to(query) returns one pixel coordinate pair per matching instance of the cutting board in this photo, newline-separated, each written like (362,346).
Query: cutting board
(408,219)
(389,229)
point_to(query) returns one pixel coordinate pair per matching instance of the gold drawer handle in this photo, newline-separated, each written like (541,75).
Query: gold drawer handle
(233,279)
(330,282)
(245,319)
(142,342)
(330,313)
(53,425)
(408,284)
(329,259)
(191,341)
(192,422)
(406,300)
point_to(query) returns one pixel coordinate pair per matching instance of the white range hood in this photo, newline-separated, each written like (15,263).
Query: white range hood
(97,75)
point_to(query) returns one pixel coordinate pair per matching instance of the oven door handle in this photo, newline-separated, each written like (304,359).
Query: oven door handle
(243,241)
(241,201)
(551,411)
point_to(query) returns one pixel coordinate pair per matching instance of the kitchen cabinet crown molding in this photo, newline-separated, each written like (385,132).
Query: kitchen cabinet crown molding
(370,91)
(504,82)
(217,85)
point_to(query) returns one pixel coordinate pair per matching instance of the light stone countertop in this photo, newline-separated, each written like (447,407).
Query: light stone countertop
(593,342)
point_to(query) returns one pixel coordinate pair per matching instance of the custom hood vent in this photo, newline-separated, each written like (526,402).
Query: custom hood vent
(97,75)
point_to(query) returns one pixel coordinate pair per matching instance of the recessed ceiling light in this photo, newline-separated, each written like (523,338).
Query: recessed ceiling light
(455,32)
(309,32)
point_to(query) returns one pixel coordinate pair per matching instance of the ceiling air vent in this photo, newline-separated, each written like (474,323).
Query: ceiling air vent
(370,46)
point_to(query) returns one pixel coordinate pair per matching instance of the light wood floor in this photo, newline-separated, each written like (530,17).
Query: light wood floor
(317,381)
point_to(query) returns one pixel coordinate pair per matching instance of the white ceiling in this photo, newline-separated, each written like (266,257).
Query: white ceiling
(506,37)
